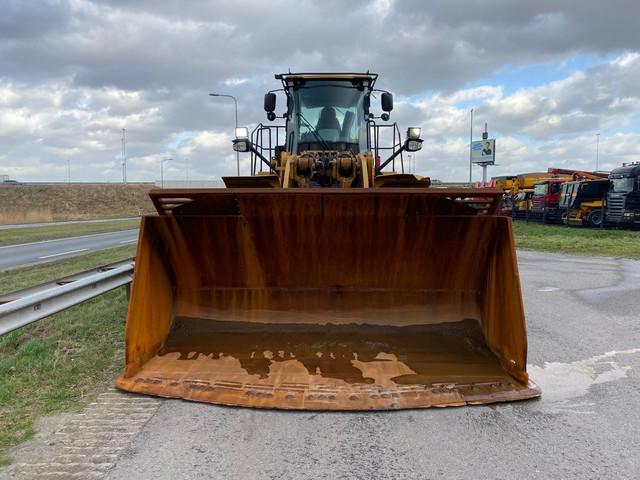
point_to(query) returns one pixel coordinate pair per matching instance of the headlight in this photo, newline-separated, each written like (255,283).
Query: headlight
(413,145)
(241,145)
(242,132)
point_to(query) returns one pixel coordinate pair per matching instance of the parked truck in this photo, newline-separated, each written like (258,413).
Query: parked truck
(583,202)
(623,198)
(545,199)
(545,203)
(518,190)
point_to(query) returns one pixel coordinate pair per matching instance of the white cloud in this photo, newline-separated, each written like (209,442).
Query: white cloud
(234,82)
(74,73)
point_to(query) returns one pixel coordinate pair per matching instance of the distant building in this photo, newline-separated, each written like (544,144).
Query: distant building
(4,178)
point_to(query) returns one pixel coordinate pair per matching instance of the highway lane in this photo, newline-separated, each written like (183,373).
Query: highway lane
(12,256)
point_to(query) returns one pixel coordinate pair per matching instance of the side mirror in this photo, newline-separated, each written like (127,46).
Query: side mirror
(387,101)
(269,102)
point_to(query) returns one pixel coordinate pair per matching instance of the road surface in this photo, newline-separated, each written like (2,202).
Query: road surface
(584,351)
(12,256)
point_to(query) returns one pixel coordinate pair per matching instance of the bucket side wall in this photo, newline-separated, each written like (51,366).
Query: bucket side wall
(152,298)
(502,307)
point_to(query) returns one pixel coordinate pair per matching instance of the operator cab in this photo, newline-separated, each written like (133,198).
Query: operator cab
(330,137)
(327,113)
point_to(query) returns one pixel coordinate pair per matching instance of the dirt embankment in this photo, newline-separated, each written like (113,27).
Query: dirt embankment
(54,202)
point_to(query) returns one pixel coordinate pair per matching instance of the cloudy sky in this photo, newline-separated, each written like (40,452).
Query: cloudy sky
(546,76)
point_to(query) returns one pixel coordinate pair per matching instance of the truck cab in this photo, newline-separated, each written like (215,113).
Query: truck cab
(545,200)
(582,202)
(623,199)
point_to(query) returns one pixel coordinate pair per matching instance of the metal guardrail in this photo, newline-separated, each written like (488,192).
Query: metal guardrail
(26,306)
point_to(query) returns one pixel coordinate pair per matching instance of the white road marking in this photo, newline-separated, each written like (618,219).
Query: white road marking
(64,253)
(128,241)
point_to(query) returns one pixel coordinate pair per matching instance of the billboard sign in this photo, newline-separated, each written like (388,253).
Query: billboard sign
(483,151)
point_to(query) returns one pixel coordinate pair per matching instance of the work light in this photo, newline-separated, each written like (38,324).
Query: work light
(413,133)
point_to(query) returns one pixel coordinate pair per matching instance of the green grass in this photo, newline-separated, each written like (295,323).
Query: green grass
(61,362)
(11,236)
(579,241)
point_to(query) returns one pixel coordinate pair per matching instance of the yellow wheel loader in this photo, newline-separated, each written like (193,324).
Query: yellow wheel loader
(328,279)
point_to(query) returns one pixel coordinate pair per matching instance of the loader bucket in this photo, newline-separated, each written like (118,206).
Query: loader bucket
(327,299)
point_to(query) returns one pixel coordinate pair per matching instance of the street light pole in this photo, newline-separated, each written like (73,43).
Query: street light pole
(162,170)
(597,149)
(470,148)
(124,157)
(235,103)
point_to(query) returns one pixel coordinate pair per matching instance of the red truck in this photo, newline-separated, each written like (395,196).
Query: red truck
(546,199)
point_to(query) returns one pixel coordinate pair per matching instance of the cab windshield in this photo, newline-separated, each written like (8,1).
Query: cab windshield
(622,185)
(328,115)
(540,189)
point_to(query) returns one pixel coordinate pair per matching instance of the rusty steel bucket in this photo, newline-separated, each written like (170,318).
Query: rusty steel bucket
(327,299)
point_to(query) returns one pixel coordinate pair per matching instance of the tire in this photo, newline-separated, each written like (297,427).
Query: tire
(563,218)
(594,219)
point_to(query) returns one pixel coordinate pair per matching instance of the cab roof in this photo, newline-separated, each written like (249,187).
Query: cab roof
(626,171)
(290,77)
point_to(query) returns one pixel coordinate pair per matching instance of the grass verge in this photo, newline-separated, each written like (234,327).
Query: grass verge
(61,362)
(578,241)
(11,236)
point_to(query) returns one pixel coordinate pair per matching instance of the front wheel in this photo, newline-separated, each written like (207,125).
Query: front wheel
(594,219)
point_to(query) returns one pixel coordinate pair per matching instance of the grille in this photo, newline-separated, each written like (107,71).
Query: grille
(615,207)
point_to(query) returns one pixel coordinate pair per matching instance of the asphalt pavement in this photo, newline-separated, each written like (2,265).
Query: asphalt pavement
(12,256)
(583,319)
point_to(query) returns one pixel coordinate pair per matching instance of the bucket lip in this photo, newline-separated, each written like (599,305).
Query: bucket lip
(436,397)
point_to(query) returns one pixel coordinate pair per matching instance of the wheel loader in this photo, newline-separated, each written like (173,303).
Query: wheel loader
(328,278)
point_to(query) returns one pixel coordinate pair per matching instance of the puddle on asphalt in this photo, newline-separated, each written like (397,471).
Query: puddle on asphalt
(628,272)
(563,384)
